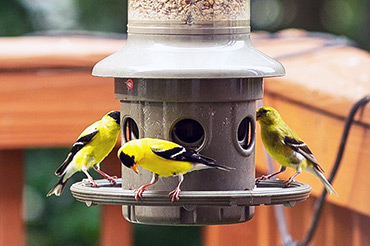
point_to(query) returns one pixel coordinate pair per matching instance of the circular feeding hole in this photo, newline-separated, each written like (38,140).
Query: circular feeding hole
(188,132)
(130,129)
(246,134)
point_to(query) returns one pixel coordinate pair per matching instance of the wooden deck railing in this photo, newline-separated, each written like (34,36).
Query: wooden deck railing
(48,95)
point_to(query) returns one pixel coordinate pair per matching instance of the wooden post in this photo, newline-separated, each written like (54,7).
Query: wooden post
(115,230)
(11,187)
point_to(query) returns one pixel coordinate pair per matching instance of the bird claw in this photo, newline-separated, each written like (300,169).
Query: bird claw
(112,179)
(175,194)
(91,182)
(263,177)
(106,176)
(139,192)
(287,183)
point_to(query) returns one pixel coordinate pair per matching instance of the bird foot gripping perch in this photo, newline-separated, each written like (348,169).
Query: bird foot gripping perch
(268,177)
(90,181)
(175,194)
(139,192)
(111,179)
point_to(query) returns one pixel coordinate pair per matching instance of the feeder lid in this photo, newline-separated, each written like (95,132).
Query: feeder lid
(188,57)
(267,192)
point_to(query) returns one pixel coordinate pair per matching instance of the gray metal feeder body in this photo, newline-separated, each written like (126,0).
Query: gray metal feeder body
(195,83)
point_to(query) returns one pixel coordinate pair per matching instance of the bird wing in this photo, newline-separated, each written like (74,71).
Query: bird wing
(302,148)
(180,153)
(82,141)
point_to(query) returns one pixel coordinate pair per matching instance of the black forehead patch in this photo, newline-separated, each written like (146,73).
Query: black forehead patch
(116,116)
(263,111)
(127,160)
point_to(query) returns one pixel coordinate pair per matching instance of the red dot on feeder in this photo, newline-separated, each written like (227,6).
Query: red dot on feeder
(130,84)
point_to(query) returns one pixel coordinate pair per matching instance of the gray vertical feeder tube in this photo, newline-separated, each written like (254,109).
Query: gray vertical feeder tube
(222,108)
(194,82)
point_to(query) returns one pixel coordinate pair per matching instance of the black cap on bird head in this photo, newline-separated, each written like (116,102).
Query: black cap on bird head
(116,116)
(267,115)
(260,112)
(129,161)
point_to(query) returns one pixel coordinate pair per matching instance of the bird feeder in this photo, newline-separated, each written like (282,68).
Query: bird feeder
(190,74)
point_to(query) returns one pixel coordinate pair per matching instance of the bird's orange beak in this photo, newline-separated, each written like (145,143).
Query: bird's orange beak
(135,168)
(258,115)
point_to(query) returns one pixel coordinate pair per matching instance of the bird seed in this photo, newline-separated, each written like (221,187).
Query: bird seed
(188,11)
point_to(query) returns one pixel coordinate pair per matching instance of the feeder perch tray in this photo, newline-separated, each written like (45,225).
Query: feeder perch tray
(267,192)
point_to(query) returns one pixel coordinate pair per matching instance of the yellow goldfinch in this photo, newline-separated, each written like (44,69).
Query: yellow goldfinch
(163,158)
(90,149)
(287,148)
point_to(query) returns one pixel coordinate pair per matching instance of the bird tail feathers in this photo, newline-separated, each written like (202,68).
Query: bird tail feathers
(62,168)
(200,166)
(222,167)
(58,188)
(207,162)
(329,188)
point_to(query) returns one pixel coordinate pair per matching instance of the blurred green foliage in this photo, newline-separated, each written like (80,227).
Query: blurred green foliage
(348,18)
(55,220)
(14,19)
(104,16)
(20,17)
(146,235)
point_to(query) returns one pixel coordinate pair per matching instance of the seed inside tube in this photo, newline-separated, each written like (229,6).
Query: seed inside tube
(180,10)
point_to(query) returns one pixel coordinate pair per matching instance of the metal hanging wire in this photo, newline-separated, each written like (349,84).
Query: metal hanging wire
(320,202)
